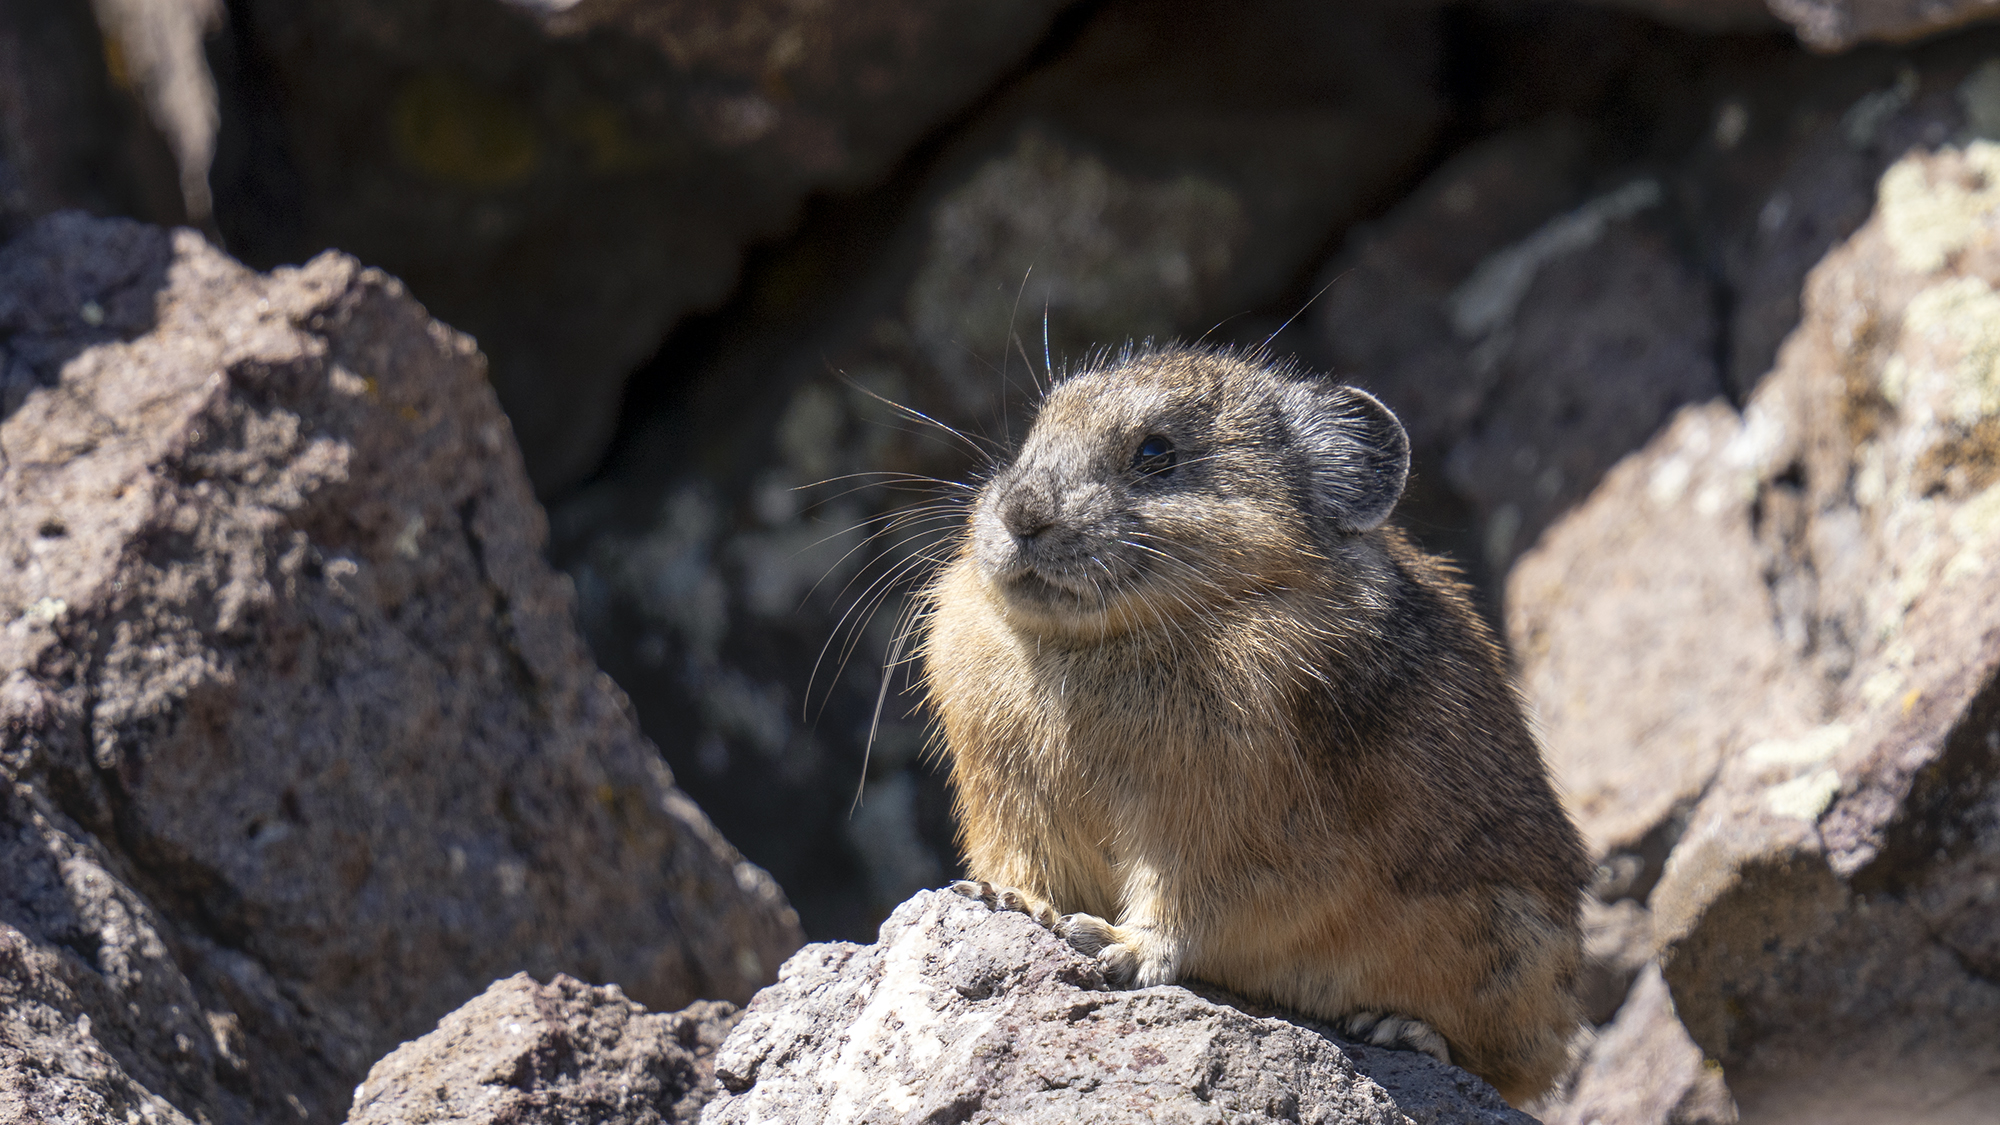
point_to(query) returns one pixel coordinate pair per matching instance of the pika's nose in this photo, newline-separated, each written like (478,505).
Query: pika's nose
(1026,514)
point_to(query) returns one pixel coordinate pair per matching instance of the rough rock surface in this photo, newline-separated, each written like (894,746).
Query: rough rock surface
(963,1014)
(1643,1069)
(565,1052)
(300,746)
(1824,25)
(1792,608)
(1536,310)
(1832,25)
(563,180)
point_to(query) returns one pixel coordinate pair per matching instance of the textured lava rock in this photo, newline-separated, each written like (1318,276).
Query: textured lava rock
(1536,310)
(1643,1069)
(959,1013)
(1767,643)
(1832,25)
(302,747)
(566,180)
(560,1053)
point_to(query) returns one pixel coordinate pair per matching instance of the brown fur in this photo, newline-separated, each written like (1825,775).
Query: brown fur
(1265,738)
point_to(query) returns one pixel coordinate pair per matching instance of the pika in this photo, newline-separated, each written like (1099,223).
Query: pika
(1208,716)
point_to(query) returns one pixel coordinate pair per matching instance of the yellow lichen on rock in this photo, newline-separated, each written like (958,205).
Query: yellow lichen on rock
(1931,210)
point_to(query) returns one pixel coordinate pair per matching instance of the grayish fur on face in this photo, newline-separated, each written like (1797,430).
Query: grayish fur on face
(1070,520)
(1358,453)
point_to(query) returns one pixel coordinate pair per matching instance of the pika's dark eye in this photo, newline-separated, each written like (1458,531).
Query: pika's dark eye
(1155,456)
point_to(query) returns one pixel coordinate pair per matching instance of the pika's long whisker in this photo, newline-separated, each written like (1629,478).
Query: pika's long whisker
(875,723)
(848,629)
(896,522)
(1263,347)
(986,452)
(893,662)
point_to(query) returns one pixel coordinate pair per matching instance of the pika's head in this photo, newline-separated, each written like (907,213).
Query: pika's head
(1174,479)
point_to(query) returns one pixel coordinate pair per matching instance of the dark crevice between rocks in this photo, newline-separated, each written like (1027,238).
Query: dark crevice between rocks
(257,191)
(1722,347)
(1780,515)
(1933,825)
(788,284)
(526,685)
(1965,964)
(1632,873)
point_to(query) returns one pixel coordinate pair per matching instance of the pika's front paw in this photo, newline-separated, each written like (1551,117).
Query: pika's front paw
(1007,898)
(1400,1032)
(1130,956)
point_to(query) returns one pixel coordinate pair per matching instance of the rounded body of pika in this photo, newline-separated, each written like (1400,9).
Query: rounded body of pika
(1202,704)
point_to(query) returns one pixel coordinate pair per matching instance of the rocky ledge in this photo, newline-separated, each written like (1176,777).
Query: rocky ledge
(958,1014)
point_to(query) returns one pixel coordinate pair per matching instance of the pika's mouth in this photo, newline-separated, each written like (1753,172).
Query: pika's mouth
(1043,588)
(1049,591)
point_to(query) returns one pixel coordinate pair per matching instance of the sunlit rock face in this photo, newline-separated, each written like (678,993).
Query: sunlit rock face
(1767,644)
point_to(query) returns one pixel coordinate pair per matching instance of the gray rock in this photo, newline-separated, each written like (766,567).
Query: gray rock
(565,181)
(962,1014)
(1643,1070)
(98,1024)
(1824,25)
(1534,332)
(301,746)
(523,1053)
(1861,852)
(1803,697)
(1587,335)
(1672,523)
(1833,25)
(1536,309)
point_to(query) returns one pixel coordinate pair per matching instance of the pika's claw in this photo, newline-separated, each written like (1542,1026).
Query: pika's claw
(1007,898)
(1400,1032)
(975,889)
(1119,950)
(1094,937)
(1086,933)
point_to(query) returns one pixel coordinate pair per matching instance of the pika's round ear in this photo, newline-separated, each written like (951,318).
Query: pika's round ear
(1358,454)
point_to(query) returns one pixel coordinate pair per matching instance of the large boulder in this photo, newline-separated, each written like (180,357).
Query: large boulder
(1832,25)
(1538,307)
(1765,654)
(959,1013)
(300,747)
(1824,25)
(524,1053)
(567,180)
